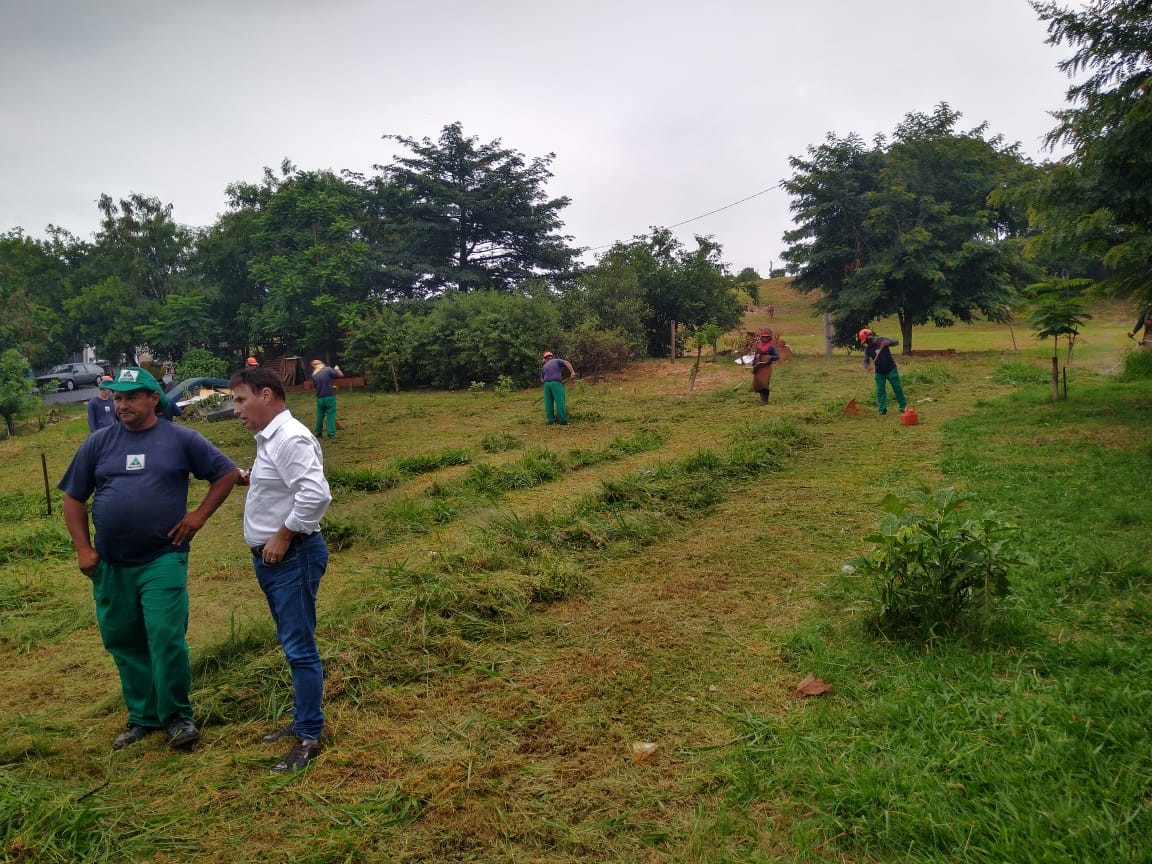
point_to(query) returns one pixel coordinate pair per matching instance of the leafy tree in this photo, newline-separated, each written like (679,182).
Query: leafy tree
(1098,201)
(35,279)
(219,269)
(682,287)
(107,315)
(376,340)
(139,243)
(310,256)
(16,396)
(830,190)
(182,322)
(748,274)
(1059,312)
(923,243)
(608,297)
(471,215)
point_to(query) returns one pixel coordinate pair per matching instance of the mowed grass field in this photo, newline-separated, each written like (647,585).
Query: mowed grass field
(573,644)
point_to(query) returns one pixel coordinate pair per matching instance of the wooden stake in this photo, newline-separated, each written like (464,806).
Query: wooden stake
(47,489)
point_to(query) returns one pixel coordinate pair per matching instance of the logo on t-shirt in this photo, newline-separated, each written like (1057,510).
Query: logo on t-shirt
(134,462)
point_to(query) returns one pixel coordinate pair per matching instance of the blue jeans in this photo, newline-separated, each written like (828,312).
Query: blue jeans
(290,588)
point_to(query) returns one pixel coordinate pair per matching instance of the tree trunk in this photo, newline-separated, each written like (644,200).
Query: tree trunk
(905,335)
(672,342)
(1055,379)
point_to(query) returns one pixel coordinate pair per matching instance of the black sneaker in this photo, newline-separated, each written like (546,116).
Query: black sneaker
(131,735)
(278,734)
(182,733)
(302,752)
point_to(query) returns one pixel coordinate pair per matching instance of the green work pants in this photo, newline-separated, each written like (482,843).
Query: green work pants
(892,378)
(325,410)
(142,610)
(555,403)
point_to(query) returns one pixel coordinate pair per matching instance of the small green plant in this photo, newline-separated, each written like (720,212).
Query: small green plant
(476,387)
(937,563)
(504,386)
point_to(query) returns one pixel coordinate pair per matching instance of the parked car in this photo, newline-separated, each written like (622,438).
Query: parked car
(69,376)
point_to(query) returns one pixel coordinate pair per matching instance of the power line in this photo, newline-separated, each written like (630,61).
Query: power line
(702,215)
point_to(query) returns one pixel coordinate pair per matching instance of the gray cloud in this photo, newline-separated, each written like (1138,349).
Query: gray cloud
(656,111)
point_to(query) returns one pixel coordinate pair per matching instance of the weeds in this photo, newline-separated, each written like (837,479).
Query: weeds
(1137,366)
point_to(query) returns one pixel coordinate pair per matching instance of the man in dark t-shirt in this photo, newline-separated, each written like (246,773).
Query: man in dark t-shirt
(552,377)
(136,473)
(101,410)
(879,349)
(322,378)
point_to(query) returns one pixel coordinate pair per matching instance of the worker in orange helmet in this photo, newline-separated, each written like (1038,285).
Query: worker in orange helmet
(878,348)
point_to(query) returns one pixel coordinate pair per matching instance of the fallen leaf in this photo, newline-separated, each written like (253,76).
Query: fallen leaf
(641,750)
(810,686)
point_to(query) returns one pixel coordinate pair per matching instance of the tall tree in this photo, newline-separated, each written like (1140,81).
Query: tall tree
(924,243)
(471,215)
(1099,200)
(139,243)
(680,286)
(830,190)
(310,257)
(32,282)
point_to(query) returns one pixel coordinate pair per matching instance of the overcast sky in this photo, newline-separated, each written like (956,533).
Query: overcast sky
(657,110)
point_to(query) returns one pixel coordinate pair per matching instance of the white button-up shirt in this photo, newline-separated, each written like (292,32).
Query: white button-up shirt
(287,482)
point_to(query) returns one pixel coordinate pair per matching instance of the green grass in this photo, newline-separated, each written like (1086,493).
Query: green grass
(508,612)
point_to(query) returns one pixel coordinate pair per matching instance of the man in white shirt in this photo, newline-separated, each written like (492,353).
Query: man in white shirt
(288,495)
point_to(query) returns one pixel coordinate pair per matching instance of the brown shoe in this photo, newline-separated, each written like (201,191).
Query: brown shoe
(278,734)
(302,752)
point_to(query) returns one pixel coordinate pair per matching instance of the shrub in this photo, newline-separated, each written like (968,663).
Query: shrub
(935,563)
(199,363)
(594,351)
(504,386)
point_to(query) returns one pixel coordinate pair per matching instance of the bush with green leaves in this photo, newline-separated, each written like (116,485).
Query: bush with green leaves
(16,396)
(938,564)
(505,385)
(200,363)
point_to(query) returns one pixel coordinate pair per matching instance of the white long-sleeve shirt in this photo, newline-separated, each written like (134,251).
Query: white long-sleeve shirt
(287,482)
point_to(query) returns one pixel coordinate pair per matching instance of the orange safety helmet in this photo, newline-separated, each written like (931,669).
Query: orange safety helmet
(864,334)
(252,361)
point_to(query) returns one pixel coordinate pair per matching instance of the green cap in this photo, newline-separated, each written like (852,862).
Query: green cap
(134,378)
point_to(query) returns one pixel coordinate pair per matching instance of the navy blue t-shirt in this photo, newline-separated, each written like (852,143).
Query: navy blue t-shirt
(553,370)
(140,480)
(322,380)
